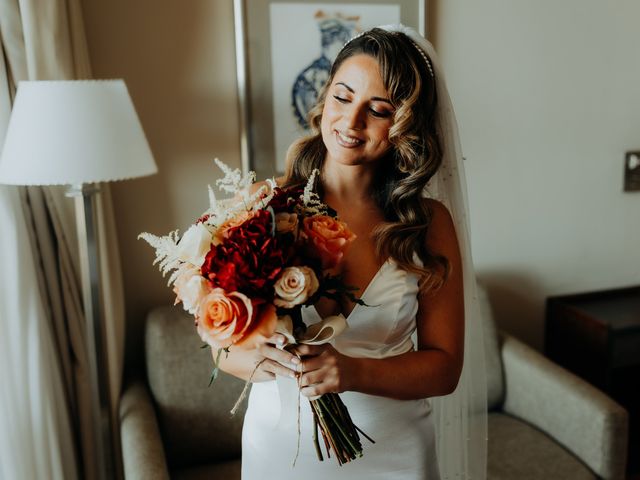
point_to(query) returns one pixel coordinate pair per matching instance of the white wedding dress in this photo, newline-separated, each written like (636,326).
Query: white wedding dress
(405,447)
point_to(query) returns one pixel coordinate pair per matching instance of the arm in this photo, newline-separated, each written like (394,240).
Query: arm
(432,370)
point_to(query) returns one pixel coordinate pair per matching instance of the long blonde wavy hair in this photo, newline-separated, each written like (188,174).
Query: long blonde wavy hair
(414,158)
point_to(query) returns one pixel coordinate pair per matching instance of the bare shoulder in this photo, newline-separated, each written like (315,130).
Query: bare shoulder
(441,236)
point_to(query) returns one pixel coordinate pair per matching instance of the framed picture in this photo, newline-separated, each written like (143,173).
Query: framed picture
(284,50)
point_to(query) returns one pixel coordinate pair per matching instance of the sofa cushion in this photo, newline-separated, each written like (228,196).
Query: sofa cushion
(194,419)
(518,450)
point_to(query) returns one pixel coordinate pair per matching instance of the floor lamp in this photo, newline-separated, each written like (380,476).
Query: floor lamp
(80,133)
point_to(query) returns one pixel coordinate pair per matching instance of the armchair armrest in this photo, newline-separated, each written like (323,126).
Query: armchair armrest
(142,451)
(577,415)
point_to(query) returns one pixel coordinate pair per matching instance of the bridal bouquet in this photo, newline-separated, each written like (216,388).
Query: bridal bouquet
(247,267)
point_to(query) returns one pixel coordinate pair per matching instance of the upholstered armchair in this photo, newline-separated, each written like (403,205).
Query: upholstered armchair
(544,423)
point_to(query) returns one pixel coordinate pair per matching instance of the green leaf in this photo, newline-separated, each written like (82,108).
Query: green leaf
(216,365)
(214,375)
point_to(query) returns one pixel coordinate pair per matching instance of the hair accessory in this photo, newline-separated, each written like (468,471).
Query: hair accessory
(353,38)
(424,55)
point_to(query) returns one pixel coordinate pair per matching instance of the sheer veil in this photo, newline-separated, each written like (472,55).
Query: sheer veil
(461,418)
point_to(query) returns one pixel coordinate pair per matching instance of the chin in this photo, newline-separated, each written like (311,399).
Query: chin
(346,159)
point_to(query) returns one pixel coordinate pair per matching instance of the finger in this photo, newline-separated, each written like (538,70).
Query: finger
(309,350)
(282,356)
(277,339)
(319,362)
(311,378)
(314,390)
(276,368)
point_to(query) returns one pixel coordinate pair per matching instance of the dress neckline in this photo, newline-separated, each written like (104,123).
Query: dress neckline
(373,280)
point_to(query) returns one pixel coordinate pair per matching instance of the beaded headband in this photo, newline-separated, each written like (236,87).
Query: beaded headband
(422,54)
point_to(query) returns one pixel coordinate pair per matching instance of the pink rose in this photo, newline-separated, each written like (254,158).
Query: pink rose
(226,319)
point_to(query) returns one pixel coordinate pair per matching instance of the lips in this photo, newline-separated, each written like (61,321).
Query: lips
(347,141)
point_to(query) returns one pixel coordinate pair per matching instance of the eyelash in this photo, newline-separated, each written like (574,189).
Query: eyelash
(375,113)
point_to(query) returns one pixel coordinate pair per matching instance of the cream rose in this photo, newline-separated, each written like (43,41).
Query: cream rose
(286,222)
(194,245)
(294,286)
(190,288)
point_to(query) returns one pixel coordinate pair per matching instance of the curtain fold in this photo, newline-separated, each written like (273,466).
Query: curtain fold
(36,439)
(46,41)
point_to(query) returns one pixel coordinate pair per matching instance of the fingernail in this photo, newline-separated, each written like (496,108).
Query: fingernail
(295,360)
(292,374)
(280,341)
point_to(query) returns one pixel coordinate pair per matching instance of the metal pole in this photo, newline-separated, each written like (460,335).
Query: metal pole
(102,420)
(242,73)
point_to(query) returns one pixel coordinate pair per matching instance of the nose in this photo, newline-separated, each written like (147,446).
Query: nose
(355,116)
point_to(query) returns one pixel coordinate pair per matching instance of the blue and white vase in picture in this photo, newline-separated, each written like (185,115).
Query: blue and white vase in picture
(335,31)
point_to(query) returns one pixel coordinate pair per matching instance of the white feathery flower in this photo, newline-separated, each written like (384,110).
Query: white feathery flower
(233,180)
(308,189)
(213,203)
(166,251)
(310,199)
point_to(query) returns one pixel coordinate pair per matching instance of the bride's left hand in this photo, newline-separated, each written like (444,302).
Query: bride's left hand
(323,370)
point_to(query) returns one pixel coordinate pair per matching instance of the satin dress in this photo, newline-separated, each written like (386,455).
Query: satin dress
(403,430)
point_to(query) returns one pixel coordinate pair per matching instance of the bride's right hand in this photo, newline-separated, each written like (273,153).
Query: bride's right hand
(277,361)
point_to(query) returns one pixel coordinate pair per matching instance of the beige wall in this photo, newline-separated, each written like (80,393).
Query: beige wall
(548,101)
(178,60)
(547,104)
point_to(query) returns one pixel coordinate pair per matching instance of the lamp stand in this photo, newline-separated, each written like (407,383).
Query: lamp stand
(102,417)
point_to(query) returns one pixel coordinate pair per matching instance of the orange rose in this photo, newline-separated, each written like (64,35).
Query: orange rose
(328,238)
(226,319)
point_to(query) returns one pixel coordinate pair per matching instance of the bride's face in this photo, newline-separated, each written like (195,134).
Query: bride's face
(357,113)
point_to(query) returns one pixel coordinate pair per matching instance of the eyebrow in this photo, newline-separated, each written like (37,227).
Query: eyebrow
(377,99)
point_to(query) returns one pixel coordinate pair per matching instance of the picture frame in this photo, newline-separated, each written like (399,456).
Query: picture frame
(284,49)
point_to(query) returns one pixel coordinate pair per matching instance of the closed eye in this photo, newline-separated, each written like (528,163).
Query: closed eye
(373,111)
(384,114)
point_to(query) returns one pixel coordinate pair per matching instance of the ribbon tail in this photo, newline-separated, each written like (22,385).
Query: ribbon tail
(324,331)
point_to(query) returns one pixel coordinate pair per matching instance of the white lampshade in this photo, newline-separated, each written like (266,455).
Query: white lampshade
(74,132)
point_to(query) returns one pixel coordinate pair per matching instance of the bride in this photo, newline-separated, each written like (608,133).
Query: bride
(383,135)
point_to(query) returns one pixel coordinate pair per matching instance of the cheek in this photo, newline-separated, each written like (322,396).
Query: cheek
(382,138)
(325,124)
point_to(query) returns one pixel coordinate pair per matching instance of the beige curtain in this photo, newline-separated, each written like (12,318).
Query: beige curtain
(46,41)
(36,439)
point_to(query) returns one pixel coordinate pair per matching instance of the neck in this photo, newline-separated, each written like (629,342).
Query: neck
(347,183)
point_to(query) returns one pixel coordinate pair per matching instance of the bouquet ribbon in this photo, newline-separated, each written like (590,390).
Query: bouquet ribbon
(316,334)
